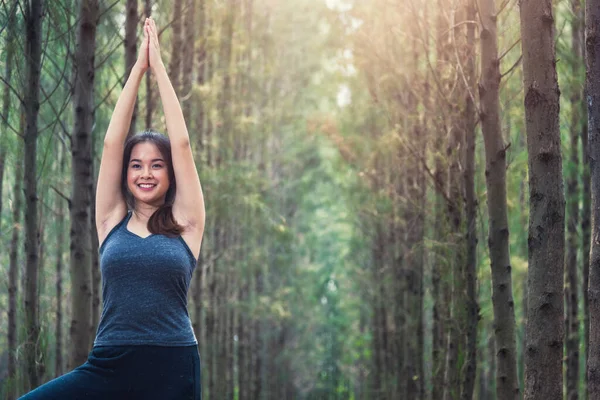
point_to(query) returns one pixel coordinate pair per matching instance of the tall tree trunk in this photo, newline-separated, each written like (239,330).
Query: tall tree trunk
(586,239)
(472,309)
(440,268)
(33,21)
(59,364)
(131,25)
(546,241)
(81,241)
(96,278)
(257,343)
(201,32)
(188,67)
(13,277)
(6,97)
(592,27)
(225,96)
(176,47)
(571,266)
(507,383)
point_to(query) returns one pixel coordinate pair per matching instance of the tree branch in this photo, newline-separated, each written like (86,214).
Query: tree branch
(513,67)
(58,192)
(509,49)
(12,89)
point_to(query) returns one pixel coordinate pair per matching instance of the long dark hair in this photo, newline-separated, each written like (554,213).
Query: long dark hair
(162,221)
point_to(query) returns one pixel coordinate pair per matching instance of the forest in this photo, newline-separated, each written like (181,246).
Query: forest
(400,194)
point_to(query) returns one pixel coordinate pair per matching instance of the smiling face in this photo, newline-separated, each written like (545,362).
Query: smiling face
(147,174)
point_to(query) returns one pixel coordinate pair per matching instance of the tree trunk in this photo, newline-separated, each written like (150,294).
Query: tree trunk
(199,112)
(472,309)
(188,67)
(59,364)
(13,277)
(225,96)
(257,344)
(33,20)
(6,97)
(131,25)
(441,312)
(571,266)
(585,212)
(81,241)
(507,383)
(592,27)
(586,239)
(96,276)
(176,47)
(546,241)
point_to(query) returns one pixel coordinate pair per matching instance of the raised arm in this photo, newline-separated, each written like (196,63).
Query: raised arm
(188,208)
(110,204)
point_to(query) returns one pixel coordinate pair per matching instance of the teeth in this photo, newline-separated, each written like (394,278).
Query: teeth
(146,185)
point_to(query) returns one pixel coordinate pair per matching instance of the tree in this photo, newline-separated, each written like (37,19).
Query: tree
(495,174)
(592,82)
(131,24)
(176,47)
(545,327)
(81,241)
(33,22)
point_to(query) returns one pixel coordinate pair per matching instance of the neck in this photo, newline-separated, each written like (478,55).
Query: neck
(143,212)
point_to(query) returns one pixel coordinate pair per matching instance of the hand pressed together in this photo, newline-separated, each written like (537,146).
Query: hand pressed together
(151,33)
(149,54)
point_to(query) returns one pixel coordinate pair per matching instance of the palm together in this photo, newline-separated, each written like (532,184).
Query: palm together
(149,55)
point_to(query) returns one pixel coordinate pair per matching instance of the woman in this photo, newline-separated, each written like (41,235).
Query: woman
(150,230)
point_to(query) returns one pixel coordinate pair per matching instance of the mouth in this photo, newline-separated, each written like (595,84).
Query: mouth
(146,186)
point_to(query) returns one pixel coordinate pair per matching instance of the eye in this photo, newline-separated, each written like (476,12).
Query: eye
(135,166)
(157,166)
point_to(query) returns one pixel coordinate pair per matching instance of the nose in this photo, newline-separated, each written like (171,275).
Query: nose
(147,172)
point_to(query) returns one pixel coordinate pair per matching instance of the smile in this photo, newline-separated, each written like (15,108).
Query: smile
(146,186)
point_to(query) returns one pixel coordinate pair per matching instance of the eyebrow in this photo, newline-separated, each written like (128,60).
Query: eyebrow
(137,160)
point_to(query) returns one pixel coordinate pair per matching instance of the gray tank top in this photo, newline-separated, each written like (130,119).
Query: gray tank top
(145,282)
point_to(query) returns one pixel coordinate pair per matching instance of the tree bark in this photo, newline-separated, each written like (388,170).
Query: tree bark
(131,24)
(176,47)
(586,239)
(189,51)
(6,97)
(13,277)
(507,382)
(202,32)
(60,238)
(571,266)
(585,211)
(592,27)
(545,326)
(441,312)
(81,241)
(33,21)
(472,309)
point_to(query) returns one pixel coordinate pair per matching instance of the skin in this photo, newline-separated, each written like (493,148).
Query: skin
(188,208)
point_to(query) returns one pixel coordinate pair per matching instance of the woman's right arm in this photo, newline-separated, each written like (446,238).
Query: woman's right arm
(110,204)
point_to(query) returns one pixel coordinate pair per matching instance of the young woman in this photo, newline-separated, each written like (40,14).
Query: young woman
(150,220)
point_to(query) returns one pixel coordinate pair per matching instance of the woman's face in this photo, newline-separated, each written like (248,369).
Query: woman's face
(147,174)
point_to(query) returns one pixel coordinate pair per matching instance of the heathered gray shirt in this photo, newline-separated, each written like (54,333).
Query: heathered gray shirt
(144,286)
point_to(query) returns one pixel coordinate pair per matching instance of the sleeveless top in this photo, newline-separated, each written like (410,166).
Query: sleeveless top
(145,282)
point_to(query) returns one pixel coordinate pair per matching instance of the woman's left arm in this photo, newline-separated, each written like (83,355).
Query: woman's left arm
(189,200)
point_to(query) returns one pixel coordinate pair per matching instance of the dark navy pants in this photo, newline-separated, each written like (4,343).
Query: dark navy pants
(129,373)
